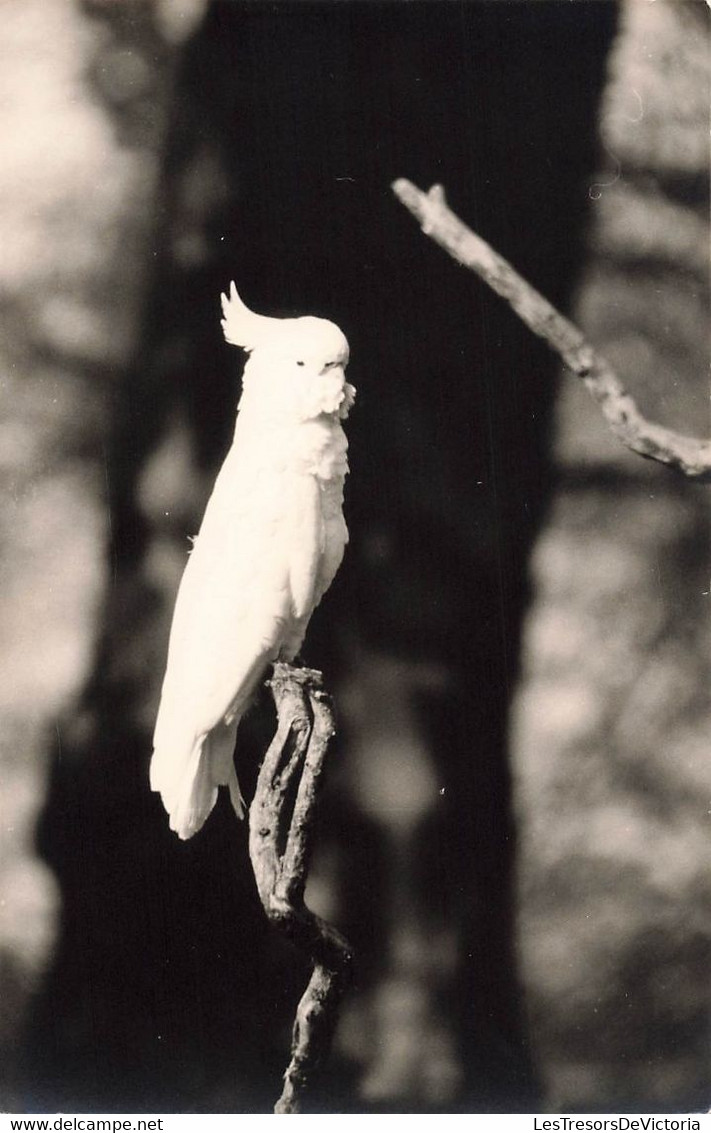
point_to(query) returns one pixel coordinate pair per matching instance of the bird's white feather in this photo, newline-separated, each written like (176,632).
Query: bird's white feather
(271,541)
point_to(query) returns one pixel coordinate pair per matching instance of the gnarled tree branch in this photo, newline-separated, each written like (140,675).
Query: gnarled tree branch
(688,455)
(280,825)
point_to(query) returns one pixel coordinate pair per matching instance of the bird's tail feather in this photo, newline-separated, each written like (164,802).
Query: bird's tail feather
(188,787)
(221,749)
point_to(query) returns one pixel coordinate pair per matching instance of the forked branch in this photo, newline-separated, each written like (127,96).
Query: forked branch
(688,455)
(281,821)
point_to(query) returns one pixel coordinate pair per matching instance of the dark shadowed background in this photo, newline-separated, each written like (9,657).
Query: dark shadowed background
(513,828)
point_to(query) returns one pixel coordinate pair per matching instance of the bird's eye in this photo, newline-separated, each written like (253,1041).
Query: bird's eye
(299,363)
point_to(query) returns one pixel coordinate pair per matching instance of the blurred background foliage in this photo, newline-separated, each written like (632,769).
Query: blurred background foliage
(514,827)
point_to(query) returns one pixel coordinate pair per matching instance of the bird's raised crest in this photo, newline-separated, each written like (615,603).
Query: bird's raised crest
(243,327)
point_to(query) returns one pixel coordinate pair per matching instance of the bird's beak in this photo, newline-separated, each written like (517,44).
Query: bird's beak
(337,372)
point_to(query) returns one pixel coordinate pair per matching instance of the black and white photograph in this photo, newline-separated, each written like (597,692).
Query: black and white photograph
(355,560)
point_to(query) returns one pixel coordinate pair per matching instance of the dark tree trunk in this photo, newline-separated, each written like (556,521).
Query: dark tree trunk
(289,123)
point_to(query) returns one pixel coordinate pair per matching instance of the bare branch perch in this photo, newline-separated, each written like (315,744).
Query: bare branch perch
(279,846)
(688,455)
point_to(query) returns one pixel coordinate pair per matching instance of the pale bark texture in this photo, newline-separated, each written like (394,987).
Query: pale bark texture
(83,119)
(612,725)
(282,827)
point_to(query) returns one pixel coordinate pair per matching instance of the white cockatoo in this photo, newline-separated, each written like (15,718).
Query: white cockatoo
(270,544)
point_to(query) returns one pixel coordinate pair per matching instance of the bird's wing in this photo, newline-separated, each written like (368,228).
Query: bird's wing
(234,611)
(232,602)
